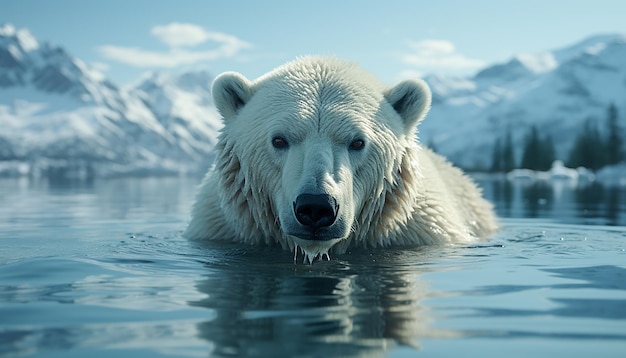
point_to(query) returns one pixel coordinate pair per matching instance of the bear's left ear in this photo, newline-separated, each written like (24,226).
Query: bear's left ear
(411,99)
(231,91)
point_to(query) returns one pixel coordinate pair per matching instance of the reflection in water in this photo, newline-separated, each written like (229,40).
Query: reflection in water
(251,302)
(564,201)
(538,199)
(595,201)
(503,194)
(354,308)
(590,200)
(99,269)
(615,203)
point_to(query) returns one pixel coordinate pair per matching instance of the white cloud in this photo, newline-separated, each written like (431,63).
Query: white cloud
(174,57)
(437,56)
(177,36)
(411,74)
(432,47)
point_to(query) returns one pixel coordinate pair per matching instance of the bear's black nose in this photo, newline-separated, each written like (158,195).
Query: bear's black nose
(315,210)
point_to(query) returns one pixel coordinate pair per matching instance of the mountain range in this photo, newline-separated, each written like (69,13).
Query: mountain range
(59,116)
(556,91)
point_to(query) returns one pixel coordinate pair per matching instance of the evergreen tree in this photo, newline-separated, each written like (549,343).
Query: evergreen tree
(548,153)
(508,153)
(503,155)
(532,150)
(588,150)
(496,158)
(614,141)
(538,153)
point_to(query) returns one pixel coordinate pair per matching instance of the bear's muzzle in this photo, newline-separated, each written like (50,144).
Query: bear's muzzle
(315,212)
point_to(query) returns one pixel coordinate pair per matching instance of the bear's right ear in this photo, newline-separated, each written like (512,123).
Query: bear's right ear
(231,91)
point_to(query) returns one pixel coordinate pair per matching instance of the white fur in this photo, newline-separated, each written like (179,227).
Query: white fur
(392,192)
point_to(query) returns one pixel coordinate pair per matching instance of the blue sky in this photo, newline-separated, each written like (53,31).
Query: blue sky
(392,39)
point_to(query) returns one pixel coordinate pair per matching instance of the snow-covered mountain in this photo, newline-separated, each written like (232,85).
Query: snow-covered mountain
(57,114)
(556,91)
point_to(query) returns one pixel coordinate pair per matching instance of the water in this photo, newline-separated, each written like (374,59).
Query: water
(100,269)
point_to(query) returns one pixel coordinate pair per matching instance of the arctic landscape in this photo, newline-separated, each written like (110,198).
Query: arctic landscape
(58,117)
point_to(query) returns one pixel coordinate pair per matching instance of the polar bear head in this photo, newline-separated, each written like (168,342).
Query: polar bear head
(308,150)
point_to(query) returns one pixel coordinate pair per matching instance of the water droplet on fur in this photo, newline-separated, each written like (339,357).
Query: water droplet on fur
(309,257)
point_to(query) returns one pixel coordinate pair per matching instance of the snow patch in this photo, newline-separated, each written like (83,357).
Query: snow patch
(538,63)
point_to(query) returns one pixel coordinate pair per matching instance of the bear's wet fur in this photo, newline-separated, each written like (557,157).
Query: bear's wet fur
(319,154)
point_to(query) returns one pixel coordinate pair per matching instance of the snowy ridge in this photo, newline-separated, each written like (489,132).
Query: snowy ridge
(60,117)
(556,91)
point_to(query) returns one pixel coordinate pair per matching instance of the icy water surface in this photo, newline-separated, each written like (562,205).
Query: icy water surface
(100,270)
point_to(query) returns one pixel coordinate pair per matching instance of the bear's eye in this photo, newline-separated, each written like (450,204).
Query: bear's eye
(280,143)
(357,144)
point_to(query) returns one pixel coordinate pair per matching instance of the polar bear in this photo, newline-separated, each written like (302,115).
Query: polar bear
(318,154)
